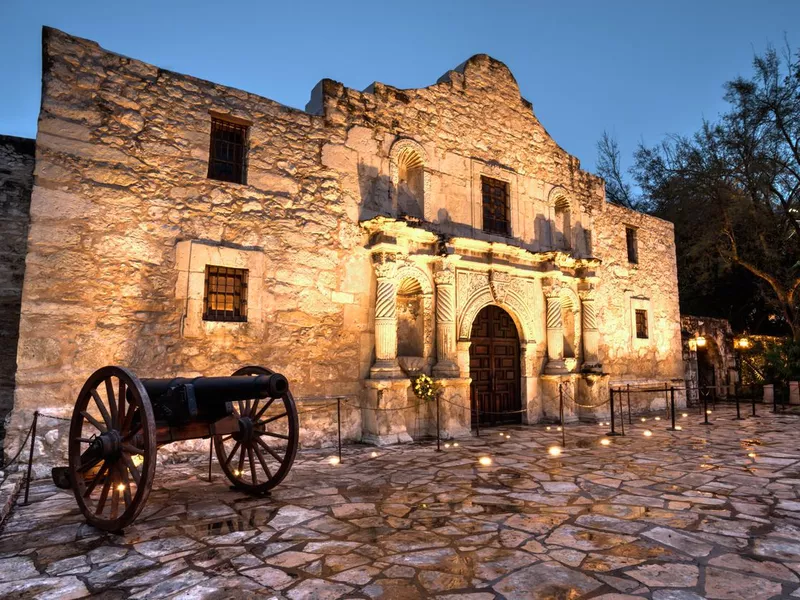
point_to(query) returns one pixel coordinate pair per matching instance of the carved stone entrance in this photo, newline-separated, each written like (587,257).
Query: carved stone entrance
(494,367)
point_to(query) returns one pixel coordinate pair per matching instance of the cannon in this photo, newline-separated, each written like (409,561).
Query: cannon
(119,421)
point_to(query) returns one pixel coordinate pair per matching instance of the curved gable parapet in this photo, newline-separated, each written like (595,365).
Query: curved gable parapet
(481,71)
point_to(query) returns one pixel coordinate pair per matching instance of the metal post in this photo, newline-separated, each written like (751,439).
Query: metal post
(630,419)
(611,400)
(621,416)
(438,430)
(753,401)
(672,407)
(666,401)
(210,448)
(339,425)
(738,409)
(30,455)
(705,410)
(477,417)
(561,414)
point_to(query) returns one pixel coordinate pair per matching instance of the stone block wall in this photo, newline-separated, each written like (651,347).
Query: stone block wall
(622,287)
(16,182)
(121,182)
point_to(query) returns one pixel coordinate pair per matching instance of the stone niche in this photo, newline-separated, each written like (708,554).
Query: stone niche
(410,319)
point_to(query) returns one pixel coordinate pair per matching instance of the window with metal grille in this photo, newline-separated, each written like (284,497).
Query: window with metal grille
(225,297)
(633,245)
(641,324)
(495,206)
(226,159)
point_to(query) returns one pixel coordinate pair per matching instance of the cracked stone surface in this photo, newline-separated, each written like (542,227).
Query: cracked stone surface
(707,512)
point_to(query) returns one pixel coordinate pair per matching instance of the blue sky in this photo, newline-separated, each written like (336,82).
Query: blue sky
(638,69)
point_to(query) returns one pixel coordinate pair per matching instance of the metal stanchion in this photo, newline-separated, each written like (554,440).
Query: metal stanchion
(561,414)
(477,417)
(753,402)
(666,402)
(30,456)
(339,425)
(210,448)
(738,408)
(630,419)
(775,399)
(705,410)
(672,407)
(611,400)
(438,430)
(621,417)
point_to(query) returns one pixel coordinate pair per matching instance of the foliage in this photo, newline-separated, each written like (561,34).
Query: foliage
(782,362)
(733,192)
(425,388)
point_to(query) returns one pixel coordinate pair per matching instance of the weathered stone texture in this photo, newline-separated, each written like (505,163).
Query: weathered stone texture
(16,182)
(330,232)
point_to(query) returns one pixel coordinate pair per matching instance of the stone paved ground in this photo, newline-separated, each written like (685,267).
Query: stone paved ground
(705,512)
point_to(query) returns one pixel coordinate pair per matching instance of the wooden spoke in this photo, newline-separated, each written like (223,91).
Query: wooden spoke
(233,452)
(134,470)
(262,461)
(270,450)
(252,464)
(126,493)
(114,410)
(127,419)
(264,409)
(255,406)
(241,407)
(114,495)
(103,410)
(241,460)
(132,432)
(132,449)
(98,476)
(271,419)
(122,401)
(272,434)
(85,440)
(101,503)
(93,421)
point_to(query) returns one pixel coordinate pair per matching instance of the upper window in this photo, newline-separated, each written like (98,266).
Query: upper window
(641,324)
(225,297)
(226,159)
(633,245)
(495,206)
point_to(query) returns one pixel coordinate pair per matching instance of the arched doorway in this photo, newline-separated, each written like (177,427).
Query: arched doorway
(707,358)
(494,368)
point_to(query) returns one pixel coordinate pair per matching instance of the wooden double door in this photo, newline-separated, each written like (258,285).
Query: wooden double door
(494,368)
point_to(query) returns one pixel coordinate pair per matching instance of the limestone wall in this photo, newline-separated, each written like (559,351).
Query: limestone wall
(16,181)
(623,287)
(121,182)
(472,122)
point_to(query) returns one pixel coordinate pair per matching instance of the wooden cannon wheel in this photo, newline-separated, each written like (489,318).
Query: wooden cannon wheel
(112,448)
(260,454)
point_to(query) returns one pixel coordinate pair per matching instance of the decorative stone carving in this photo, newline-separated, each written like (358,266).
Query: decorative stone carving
(445,323)
(590,334)
(476,290)
(386,366)
(555,332)
(404,150)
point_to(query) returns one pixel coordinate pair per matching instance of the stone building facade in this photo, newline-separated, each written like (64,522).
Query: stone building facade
(375,234)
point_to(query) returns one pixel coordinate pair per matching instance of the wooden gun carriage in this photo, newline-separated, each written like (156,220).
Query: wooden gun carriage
(120,420)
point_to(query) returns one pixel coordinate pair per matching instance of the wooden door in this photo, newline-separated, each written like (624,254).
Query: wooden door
(494,368)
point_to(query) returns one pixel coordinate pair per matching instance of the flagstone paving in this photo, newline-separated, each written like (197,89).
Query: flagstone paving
(707,512)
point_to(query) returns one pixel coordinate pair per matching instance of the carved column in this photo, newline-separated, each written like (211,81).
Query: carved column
(591,336)
(445,323)
(385,366)
(555,333)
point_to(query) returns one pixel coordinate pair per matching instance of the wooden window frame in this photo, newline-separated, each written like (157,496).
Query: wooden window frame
(640,319)
(493,224)
(236,290)
(227,158)
(632,244)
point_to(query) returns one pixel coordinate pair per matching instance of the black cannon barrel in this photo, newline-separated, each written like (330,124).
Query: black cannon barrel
(222,389)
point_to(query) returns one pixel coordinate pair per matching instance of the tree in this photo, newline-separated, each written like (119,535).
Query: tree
(609,168)
(733,192)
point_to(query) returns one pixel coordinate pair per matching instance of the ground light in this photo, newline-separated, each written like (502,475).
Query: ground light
(605,442)
(752,455)
(121,487)
(447,445)
(684,415)
(554,451)
(334,460)
(647,433)
(485,461)
(455,445)
(678,428)
(375,454)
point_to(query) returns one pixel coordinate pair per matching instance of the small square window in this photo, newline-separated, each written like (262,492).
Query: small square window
(225,296)
(641,324)
(226,157)
(633,245)
(495,206)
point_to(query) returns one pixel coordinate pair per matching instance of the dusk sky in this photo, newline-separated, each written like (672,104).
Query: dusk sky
(637,69)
